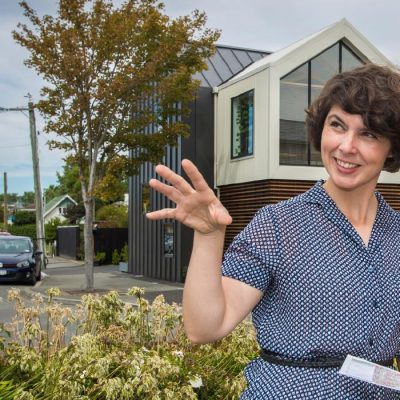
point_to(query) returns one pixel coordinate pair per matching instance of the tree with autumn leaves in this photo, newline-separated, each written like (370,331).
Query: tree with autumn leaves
(111,73)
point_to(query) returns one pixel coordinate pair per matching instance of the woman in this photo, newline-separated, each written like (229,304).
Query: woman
(320,272)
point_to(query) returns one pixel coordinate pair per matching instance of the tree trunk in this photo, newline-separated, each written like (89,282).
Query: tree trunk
(89,242)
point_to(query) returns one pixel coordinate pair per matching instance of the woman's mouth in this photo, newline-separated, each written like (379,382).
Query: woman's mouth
(346,164)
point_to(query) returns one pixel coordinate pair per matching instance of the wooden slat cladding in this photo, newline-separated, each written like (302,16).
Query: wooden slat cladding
(243,200)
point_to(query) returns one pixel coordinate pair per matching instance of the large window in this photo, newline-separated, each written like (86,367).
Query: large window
(297,90)
(242,125)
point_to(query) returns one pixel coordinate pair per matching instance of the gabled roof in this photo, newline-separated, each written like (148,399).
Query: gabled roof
(54,203)
(226,63)
(338,31)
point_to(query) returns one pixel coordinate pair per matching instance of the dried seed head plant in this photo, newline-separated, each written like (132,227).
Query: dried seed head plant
(103,348)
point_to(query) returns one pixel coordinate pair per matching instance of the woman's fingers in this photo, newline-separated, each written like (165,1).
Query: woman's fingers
(196,207)
(194,175)
(180,183)
(174,179)
(165,213)
(166,190)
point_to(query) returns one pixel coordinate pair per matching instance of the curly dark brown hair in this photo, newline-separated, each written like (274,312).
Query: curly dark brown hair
(371,91)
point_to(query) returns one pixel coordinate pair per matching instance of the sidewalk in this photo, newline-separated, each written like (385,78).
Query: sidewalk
(69,277)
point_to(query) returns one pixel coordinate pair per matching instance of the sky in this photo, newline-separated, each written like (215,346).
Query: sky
(256,24)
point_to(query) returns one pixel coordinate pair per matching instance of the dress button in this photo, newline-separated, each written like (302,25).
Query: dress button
(371,342)
(371,268)
(375,303)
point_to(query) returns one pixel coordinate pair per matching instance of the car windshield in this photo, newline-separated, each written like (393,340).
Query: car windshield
(12,246)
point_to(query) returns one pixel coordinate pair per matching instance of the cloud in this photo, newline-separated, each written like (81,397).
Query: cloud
(274,24)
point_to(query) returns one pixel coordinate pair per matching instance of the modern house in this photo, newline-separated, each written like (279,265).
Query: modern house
(248,138)
(56,208)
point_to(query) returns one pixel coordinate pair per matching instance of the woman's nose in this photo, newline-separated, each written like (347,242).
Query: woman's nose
(348,143)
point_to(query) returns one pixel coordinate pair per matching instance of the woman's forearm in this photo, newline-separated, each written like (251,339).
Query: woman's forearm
(203,297)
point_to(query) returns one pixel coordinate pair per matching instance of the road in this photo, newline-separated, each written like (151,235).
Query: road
(69,277)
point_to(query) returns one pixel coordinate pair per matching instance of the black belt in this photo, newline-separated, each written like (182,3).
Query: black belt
(318,362)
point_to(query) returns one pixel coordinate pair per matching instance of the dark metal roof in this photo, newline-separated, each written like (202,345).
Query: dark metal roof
(226,63)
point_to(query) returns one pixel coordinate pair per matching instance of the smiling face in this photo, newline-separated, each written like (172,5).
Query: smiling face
(352,155)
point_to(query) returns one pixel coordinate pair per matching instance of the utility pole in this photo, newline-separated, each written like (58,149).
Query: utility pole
(40,235)
(36,178)
(5,202)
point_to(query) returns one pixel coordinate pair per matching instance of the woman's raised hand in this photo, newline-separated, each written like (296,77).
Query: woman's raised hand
(196,206)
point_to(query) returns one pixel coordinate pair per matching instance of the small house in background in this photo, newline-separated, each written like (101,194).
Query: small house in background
(248,139)
(57,207)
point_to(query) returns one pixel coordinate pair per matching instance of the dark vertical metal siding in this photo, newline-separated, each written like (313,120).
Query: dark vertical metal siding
(146,241)
(146,250)
(199,148)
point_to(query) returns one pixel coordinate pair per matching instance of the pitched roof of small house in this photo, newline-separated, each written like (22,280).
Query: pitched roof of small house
(341,30)
(226,63)
(55,202)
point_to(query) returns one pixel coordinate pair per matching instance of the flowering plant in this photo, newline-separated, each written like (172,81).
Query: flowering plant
(106,349)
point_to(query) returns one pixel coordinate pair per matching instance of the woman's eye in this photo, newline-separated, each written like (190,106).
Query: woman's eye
(335,124)
(370,135)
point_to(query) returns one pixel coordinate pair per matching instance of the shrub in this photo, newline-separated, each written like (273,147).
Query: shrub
(100,257)
(115,258)
(116,351)
(23,230)
(124,253)
(24,217)
(51,228)
(115,215)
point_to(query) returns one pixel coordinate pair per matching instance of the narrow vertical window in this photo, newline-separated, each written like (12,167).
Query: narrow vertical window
(145,198)
(242,123)
(293,101)
(168,240)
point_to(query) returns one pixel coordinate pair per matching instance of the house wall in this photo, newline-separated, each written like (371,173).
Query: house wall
(54,214)
(243,200)
(145,244)
(146,238)
(199,148)
(252,167)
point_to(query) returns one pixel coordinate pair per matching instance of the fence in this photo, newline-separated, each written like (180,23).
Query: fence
(108,239)
(68,239)
(105,240)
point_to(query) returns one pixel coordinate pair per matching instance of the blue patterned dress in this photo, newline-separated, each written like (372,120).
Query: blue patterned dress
(325,294)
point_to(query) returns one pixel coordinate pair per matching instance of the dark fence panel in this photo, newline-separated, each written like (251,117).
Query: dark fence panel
(68,241)
(108,239)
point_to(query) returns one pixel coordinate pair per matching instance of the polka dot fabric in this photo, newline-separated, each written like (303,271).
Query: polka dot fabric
(325,294)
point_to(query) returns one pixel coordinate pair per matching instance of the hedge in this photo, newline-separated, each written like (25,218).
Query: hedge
(23,230)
